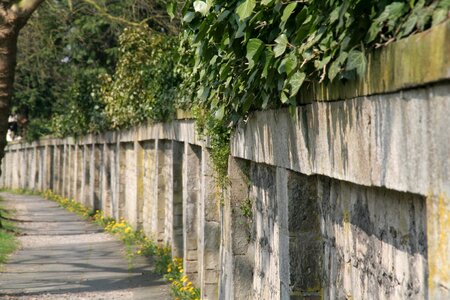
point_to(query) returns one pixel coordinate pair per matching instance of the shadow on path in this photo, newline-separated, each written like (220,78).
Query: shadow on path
(62,254)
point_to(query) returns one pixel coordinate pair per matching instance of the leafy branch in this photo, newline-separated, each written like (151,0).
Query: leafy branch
(250,55)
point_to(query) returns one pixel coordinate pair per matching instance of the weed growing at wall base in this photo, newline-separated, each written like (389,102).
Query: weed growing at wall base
(69,204)
(136,243)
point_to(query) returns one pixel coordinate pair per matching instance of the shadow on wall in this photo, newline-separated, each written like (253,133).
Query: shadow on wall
(375,241)
(345,240)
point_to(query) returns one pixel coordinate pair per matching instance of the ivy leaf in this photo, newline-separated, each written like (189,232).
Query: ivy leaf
(287,12)
(201,7)
(220,113)
(334,16)
(336,66)
(223,15)
(395,11)
(409,25)
(245,9)
(268,56)
(254,49)
(284,97)
(391,14)
(241,30)
(334,69)
(424,16)
(265,98)
(356,60)
(189,16)
(170,8)
(296,81)
(288,64)
(280,48)
(266,2)
(439,15)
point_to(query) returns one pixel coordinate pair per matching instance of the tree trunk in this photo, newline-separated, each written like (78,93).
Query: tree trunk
(8,53)
(13,16)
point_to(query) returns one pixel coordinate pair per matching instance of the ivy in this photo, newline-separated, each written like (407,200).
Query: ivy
(250,55)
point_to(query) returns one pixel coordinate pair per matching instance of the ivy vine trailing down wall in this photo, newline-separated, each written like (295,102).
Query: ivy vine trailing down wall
(251,55)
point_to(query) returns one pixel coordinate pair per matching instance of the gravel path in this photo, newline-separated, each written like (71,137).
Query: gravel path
(64,257)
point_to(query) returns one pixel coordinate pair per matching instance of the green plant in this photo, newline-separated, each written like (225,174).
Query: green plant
(144,84)
(8,242)
(247,208)
(218,135)
(69,204)
(181,287)
(248,55)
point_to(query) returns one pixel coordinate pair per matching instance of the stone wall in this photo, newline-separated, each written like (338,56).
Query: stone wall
(348,198)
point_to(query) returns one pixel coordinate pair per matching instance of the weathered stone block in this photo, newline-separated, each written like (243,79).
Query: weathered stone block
(191,254)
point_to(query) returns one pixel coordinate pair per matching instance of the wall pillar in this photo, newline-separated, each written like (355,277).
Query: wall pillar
(58,173)
(122,167)
(236,279)
(79,174)
(150,186)
(34,179)
(23,168)
(210,225)
(164,192)
(48,166)
(438,239)
(106,180)
(139,157)
(96,181)
(15,169)
(64,167)
(177,209)
(191,193)
(306,252)
(115,179)
(73,172)
(130,183)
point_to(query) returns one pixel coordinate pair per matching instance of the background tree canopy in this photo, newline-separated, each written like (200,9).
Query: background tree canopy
(66,51)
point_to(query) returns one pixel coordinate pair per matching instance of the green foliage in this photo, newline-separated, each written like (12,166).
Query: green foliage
(253,55)
(8,242)
(219,139)
(64,49)
(247,208)
(144,84)
(250,55)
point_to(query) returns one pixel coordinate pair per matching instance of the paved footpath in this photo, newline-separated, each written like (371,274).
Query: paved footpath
(64,257)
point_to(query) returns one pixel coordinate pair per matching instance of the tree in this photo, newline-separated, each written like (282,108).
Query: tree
(13,16)
(63,50)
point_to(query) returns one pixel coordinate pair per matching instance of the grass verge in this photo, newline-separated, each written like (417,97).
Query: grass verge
(8,241)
